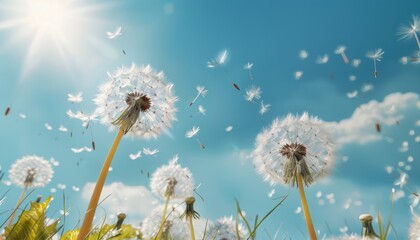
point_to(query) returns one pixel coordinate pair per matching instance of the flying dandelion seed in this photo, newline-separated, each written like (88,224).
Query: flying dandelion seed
(62,129)
(294,150)
(264,108)
(366,88)
(408,32)
(253,93)
(236,86)
(248,66)
(229,128)
(48,126)
(303,54)
(322,59)
(376,55)
(201,91)
(298,75)
(79,150)
(341,50)
(201,109)
(76,189)
(193,132)
(21,115)
(220,60)
(85,118)
(352,94)
(116,33)
(135,155)
(402,181)
(356,62)
(75,98)
(7,111)
(347,237)
(352,78)
(149,152)
(404,60)
(226,228)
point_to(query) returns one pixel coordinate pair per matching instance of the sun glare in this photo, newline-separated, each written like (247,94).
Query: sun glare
(50,31)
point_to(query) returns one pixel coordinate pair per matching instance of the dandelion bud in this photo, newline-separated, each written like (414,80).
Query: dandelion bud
(38,199)
(189,210)
(367,229)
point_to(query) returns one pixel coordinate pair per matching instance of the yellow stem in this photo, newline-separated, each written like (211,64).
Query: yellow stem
(305,207)
(162,222)
(191,227)
(90,212)
(17,205)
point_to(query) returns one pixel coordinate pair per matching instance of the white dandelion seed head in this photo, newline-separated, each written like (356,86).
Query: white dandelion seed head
(225,228)
(173,176)
(347,237)
(253,93)
(375,54)
(141,82)
(414,231)
(408,32)
(175,228)
(300,137)
(340,49)
(31,171)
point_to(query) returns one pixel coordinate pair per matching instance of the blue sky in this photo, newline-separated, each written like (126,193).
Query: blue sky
(179,38)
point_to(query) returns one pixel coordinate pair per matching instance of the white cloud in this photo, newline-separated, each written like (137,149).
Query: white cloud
(135,201)
(360,127)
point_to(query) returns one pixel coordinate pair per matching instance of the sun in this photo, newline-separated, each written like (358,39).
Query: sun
(50,31)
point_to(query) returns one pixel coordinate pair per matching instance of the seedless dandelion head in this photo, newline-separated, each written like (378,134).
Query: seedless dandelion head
(138,100)
(172,180)
(174,228)
(31,171)
(294,143)
(225,228)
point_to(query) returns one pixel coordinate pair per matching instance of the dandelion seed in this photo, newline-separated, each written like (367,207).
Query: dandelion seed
(294,150)
(201,109)
(389,169)
(410,159)
(75,98)
(7,111)
(404,147)
(322,59)
(201,91)
(352,94)
(271,193)
(116,33)
(341,50)
(318,194)
(135,156)
(54,162)
(408,32)
(147,151)
(366,88)
(79,150)
(253,93)
(226,228)
(220,60)
(61,186)
(248,66)
(411,132)
(53,190)
(62,129)
(298,210)
(376,55)
(404,60)
(343,229)
(303,54)
(191,133)
(48,126)
(236,86)
(264,108)
(229,128)
(356,62)
(21,115)
(352,78)
(402,180)
(298,75)
(76,189)
(85,118)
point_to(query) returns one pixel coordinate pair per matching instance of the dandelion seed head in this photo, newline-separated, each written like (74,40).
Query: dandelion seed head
(175,228)
(172,179)
(292,143)
(31,171)
(225,228)
(138,97)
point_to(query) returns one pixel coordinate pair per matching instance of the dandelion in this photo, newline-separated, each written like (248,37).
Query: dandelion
(248,66)
(140,103)
(341,50)
(294,150)
(189,214)
(201,91)
(264,108)
(85,118)
(253,93)
(174,227)
(376,55)
(408,32)
(29,171)
(171,182)
(226,228)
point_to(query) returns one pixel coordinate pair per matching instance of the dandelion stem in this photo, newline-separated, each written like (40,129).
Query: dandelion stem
(17,205)
(161,226)
(191,226)
(90,212)
(305,207)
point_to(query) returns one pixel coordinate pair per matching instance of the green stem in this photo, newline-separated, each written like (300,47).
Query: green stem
(90,212)
(17,205)
(305,207)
